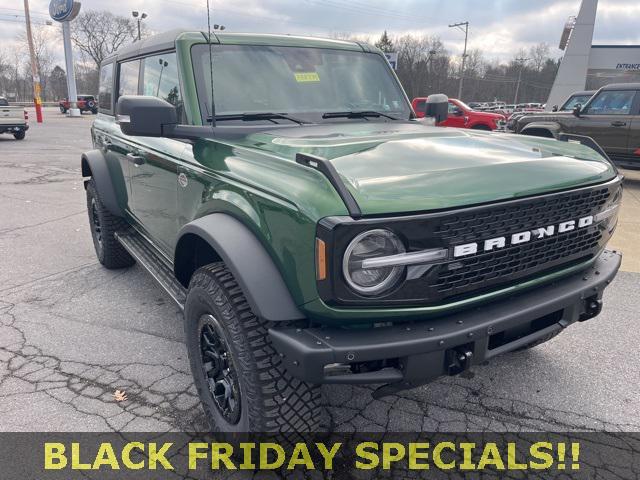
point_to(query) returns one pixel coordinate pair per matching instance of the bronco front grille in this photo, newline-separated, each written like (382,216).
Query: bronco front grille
(471,275)
(520,216)
(515,262)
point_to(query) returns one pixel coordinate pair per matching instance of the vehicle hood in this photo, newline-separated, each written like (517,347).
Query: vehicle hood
(409,167)
(545,117)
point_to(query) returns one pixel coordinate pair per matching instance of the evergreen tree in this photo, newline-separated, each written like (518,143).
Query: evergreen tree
(385,44)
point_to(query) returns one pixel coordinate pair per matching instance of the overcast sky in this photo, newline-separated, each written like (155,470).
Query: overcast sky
(498,27)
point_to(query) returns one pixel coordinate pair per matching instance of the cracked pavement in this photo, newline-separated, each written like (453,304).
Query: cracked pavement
(72,332)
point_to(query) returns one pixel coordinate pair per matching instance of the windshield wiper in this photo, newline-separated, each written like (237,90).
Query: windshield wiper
(358,114)
(249,117)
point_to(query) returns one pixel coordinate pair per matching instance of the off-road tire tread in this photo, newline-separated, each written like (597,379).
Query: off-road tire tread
(114,255)
(277,401)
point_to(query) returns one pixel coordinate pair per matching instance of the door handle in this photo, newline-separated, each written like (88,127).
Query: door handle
(618,124)
(136,159)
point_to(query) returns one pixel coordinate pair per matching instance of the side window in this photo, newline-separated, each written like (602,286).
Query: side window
(105,92)
(160,79)
(453,108)
(612,102)
(128,80)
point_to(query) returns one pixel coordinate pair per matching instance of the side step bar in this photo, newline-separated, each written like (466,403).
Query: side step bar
(146,256)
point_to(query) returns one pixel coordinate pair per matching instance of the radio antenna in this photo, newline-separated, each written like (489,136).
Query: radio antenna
(213,103)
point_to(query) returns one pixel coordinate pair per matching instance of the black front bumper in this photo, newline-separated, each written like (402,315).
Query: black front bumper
(421,352)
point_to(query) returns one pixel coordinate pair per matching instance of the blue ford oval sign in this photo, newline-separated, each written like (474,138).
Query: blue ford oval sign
(61,10)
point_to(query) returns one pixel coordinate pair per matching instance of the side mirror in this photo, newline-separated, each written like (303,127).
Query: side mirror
(141,116)
(577,110)
(437,106)
(554,108)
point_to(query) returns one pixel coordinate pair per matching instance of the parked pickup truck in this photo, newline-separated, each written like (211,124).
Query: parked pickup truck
(13,120)
(462,115)
(314,232)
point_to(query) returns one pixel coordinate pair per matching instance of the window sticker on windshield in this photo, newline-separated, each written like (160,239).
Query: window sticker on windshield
(307,77)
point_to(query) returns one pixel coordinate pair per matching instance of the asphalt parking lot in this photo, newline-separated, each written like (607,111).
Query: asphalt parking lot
(72,332)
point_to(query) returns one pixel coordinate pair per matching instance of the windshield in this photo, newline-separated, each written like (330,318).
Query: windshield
(575,100)
(302,82)
(463,105)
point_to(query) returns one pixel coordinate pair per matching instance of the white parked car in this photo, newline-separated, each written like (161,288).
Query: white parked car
(13,120)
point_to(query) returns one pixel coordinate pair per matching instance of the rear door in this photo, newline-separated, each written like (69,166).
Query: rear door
(607,119)
(633,150)
(106,136)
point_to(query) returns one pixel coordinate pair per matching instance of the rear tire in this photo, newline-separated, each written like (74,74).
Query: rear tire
(103,226)
(242,383)
(20,135)
(481,127)
(63,110)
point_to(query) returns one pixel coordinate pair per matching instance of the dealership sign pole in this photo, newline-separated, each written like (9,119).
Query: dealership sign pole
(64,11)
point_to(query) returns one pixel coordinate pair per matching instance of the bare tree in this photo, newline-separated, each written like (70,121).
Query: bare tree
(539,54)
(5,72)
(99,33)
(43,38)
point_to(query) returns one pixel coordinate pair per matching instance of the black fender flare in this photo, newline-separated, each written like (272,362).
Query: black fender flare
(248,260)
(94,165)
(553,128)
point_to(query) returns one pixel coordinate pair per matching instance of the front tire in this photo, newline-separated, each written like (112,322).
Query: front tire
(63,110)
(242,383)
(104,226)
(20,135)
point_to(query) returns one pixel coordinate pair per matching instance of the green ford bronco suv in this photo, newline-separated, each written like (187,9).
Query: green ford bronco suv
(313,231)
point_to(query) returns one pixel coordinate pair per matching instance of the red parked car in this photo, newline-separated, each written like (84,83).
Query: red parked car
(86,103)
(462,115)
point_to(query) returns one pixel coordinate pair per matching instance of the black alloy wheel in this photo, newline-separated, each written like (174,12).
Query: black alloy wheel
(219,369)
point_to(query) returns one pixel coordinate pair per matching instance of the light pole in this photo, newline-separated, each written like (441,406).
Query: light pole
(34,65)
(522,62)
(432,53)
(464,53)
(163,63)
(139,17)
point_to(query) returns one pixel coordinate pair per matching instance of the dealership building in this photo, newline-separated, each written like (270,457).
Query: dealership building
(586,66)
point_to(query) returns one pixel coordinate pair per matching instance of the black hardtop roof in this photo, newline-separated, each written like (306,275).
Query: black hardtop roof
(155,43)
(167,41)
(622,86)
(584,92)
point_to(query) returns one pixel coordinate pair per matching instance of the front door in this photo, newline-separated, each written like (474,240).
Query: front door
(456,118)
(154,181)
(154,166)
(607,119)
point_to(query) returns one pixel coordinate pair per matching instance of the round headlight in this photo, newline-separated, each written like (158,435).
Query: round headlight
(372,244)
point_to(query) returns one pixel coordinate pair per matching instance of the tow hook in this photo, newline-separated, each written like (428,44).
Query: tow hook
(592,308)
(458,359)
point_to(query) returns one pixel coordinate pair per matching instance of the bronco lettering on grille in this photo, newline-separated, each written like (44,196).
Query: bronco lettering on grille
(521,237)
